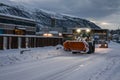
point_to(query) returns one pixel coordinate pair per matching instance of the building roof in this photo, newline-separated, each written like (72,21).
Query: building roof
(7,16)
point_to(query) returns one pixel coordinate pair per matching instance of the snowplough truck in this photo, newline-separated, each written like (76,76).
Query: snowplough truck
(83,42)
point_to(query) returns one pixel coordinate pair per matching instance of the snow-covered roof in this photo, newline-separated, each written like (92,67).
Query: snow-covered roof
(16,17)
(53,32)
(12,35)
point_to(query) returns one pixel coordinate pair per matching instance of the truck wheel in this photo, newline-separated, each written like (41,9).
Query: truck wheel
(93,49)
(90,48)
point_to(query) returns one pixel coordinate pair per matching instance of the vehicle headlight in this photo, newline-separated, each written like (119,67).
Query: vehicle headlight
(88,30)
(105,44)
(99,45)
(78,30)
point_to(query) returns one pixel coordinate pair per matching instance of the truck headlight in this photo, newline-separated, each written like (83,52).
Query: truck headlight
(105,44)
(99,45)
(78,30)
(88,30)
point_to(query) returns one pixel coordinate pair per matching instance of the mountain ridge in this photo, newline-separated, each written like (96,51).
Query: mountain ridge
(45,18)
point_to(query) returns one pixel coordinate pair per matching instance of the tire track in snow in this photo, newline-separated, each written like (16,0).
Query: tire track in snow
(19,69)
(66,72)
(102,73)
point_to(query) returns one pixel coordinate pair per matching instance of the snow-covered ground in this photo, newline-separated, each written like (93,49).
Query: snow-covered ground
(14,56)
(49,63)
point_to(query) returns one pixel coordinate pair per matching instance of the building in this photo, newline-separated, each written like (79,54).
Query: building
(16,25)
(13,31)
(18,33)
(103,34)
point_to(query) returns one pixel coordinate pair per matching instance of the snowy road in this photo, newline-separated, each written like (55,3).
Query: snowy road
(104,64)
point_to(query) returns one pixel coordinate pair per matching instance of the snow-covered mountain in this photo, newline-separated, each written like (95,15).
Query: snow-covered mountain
(14,10)
(47,18)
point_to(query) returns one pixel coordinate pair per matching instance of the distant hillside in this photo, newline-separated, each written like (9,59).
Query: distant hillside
(44,18)
(14,10)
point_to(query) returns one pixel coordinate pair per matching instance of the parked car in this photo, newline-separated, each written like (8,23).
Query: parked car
(103,44)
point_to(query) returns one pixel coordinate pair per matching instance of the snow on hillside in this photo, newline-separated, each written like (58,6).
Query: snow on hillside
(44,17)
(15,10)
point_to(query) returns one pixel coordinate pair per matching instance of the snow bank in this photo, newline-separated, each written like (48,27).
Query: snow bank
(14,56)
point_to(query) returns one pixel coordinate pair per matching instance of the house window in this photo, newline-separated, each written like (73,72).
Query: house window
(20,32)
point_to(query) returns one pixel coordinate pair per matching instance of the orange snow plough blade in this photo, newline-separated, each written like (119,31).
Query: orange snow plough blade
(75,46)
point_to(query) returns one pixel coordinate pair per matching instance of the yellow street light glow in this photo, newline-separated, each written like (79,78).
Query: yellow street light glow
(78,30)
(88,30)
(45,34)
(48,35)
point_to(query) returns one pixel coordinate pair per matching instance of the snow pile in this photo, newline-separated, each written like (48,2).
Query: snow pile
(15,56)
